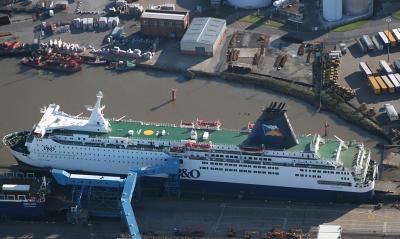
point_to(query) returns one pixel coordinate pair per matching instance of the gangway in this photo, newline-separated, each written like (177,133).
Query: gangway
(87,182)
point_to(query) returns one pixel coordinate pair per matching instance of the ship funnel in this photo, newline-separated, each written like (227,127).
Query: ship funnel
(272,130)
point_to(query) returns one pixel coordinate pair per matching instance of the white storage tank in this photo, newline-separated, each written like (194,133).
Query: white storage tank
(356,7)
(332,10)
(250,4)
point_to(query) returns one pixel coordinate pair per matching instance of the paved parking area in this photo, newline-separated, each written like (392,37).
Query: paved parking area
(353,77)
(216,216)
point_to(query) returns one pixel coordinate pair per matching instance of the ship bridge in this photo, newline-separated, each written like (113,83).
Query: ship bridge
(53,119)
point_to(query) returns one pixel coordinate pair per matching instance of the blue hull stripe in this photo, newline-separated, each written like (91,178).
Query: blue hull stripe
(258,191)
(20,209)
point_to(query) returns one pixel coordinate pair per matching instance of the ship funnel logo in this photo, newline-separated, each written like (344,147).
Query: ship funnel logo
(271,130)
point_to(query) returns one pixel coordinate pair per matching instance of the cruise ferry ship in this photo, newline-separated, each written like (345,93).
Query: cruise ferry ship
(266,159)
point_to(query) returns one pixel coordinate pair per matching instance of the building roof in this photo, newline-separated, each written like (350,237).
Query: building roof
(204,30)
(166,15)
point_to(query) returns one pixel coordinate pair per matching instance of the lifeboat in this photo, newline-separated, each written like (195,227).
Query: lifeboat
(177,149)
(195,145)
(250,126)
(187,124)
(205,124)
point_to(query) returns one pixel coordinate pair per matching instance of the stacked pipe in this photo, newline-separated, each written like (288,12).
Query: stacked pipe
(331,76)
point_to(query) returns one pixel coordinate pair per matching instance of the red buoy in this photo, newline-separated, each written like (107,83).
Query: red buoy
(173,93)
(326,128)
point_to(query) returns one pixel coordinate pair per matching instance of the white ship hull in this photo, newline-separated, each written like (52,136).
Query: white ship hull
(196,174)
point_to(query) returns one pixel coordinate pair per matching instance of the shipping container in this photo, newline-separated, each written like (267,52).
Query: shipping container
(391,38)
(389,84)
(391,112)
(395,82)
(381,84)
(384,38)
(361,46)
(374,85)
(365,68)
(397,65)
(396,34)
(385,66)
(329,231)
(397,75)
(368,42)
(377,44)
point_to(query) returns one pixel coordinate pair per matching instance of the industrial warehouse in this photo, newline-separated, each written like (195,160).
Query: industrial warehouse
(225,119)
(164,23)
(204,36)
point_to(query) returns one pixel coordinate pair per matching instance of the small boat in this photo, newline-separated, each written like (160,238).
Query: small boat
(111,66)
(123,66)
(97,62)
(69,66)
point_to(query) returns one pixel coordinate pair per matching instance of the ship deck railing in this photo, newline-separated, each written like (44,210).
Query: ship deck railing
(20,175)
(13,197)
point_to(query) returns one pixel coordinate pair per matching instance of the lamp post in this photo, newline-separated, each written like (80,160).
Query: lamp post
(388,20)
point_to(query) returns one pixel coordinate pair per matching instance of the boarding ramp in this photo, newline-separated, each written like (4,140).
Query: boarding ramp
(87,183)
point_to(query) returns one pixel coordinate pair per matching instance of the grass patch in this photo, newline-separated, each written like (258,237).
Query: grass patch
(250,19)
(396,15)
(351,26)
(275,24)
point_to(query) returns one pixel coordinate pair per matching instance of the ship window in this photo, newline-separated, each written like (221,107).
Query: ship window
(318,176)
(296,175)
(10,197)
(301,170)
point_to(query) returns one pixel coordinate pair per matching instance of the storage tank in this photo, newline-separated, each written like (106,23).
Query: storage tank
(332,10)
(356,7)
(250,4)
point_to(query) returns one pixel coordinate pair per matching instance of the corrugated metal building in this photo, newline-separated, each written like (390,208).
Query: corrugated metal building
(164,23)
(204,36)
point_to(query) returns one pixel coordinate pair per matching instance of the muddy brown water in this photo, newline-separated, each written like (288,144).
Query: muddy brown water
(146,96)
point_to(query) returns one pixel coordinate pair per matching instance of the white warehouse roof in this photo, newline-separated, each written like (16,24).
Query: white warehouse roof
(166,15)
(204,30)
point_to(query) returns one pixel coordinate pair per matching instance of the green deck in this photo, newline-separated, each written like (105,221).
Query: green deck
(327,150)
(120,129)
